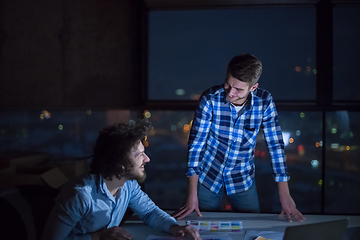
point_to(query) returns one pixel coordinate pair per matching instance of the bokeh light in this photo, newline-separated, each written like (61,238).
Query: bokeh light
(314,163)
(180,92)
(45,114)
(186,128)
(147,114)
(320,182)
(173,127)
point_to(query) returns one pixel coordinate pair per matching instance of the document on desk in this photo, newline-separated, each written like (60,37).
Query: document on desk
(252,235)
(216,226)
(203,237)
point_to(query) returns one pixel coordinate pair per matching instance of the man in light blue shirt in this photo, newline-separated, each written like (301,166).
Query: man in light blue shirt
(92,206)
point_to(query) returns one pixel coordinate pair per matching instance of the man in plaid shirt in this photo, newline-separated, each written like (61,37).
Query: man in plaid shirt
(222,144)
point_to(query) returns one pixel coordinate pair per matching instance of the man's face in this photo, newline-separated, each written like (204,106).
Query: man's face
(237,91)
(138,159)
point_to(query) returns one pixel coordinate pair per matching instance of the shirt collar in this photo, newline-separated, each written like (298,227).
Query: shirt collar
(223,95)
(104,190)
(102,185)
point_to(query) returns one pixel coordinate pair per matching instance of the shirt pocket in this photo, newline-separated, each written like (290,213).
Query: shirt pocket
(249,136)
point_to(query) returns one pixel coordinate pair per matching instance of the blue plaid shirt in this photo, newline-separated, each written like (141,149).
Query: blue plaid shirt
(222,141)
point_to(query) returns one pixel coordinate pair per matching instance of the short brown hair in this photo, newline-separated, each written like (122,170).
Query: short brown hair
(246,68)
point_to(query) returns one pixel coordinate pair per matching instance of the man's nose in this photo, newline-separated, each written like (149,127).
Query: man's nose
(147,159)
(231,91)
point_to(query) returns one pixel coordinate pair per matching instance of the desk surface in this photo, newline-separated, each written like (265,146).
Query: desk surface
(250,221)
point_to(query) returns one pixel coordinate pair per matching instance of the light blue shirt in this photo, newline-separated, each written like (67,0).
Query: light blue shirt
(86,206)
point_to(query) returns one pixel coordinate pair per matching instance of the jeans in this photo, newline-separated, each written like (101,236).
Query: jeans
(245,202)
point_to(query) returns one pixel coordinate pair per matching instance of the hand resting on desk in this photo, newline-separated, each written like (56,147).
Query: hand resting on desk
(182,231)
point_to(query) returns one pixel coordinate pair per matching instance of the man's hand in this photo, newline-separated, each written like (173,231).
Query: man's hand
(289,209)
(182,231)
(287,203)
(114,233)
(191,204)
(191,201)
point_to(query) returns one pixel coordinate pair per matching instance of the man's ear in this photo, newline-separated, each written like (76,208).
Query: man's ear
(254,87)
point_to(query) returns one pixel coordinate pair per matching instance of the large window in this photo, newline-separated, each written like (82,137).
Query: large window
(189,50)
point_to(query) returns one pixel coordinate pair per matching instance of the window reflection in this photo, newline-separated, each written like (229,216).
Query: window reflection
(166,173)
(303,147)
(167,147)
(342,185)
(62,134)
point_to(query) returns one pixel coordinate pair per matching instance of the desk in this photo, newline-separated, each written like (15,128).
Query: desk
(250,221)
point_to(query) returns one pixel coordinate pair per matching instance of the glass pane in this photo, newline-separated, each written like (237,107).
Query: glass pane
(342,179)
(302,138)
(166,183)
(62,134)
(346,52)
(189,50)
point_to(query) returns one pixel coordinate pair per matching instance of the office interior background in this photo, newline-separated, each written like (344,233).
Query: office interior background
(70,68)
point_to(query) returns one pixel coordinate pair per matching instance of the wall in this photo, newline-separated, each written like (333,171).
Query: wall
(65,54)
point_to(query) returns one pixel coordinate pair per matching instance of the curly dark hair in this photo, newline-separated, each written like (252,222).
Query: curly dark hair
(112,148)
(246,68)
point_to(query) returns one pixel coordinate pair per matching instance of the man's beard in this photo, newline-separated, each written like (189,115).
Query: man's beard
(139,179)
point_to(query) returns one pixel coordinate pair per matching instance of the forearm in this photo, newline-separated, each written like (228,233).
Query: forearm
(159,219)
(192,184)
(283,189)
(146,209)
